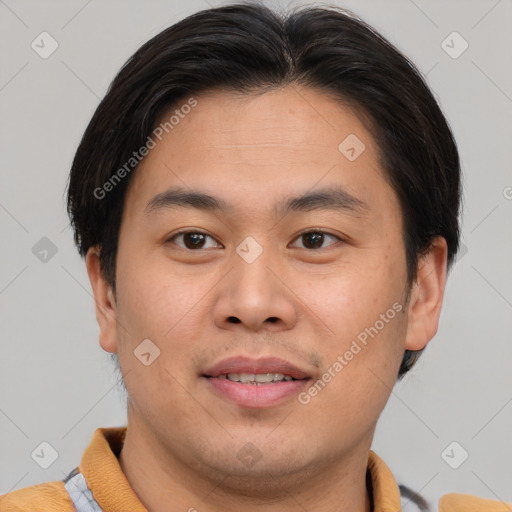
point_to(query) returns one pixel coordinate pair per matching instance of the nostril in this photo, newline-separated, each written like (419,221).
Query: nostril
(234,320)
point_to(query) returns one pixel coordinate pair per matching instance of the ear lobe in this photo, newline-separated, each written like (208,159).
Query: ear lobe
(104,301)
(426,298)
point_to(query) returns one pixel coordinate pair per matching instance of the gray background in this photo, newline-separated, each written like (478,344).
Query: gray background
(56,383)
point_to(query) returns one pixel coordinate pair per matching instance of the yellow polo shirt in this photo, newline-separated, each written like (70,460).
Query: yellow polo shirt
(106,487)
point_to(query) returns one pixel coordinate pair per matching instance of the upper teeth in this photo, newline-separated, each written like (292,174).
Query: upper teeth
(259,377)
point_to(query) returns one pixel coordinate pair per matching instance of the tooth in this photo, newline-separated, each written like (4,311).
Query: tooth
(264,377)
(259,378)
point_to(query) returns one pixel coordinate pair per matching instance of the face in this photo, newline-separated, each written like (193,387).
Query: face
(258,271)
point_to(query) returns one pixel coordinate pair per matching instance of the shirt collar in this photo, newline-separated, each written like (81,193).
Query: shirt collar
(386,494)
(104,475)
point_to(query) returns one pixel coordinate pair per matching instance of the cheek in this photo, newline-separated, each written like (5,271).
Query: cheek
(361,367)
(163,308)
(365,313)
(157,298)
(354,296)
(170,307)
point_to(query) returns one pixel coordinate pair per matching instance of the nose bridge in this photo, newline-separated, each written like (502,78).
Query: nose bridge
(252,294)
(252,262)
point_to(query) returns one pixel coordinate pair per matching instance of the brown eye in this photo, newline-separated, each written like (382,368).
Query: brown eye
(192,240)
(315,239)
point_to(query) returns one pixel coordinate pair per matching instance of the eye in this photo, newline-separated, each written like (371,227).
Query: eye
(195,240)
(192,240)
(315,239)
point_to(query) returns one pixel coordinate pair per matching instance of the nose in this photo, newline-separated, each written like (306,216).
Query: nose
(254,297)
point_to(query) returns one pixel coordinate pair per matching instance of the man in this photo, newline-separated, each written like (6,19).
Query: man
(268,207)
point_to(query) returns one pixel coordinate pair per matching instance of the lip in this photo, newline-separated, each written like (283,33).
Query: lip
(243,364)
(255,395)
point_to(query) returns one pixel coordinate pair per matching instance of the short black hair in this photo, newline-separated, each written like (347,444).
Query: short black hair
(249,48)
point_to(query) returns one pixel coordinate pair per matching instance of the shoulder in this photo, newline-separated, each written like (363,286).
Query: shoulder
(47,497)
(466,503)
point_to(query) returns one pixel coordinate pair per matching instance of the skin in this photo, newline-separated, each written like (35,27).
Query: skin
(298,303)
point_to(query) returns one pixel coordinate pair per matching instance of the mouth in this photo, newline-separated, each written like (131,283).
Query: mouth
(245,369)
(256,378)
(255,383)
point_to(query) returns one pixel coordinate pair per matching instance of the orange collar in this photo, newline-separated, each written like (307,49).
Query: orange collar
(104,475)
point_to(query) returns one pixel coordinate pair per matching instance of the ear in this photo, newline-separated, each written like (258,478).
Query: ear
(426,296)
(104,300)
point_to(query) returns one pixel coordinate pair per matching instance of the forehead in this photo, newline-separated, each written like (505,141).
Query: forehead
(290,119)
(287,140)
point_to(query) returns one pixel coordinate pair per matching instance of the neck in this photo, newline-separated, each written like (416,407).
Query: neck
(160,478)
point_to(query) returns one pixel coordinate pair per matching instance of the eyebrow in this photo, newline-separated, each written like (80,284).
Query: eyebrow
(328,198)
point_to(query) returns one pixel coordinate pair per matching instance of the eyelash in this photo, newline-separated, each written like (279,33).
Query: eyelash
(316,231)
